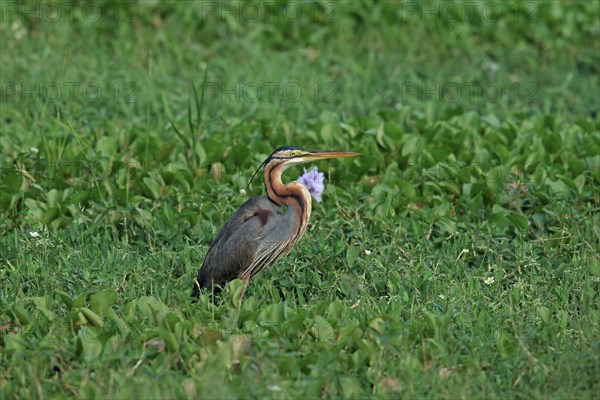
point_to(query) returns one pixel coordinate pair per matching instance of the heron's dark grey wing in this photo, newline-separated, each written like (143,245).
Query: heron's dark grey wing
(277,241)
(235,246)
(248,210)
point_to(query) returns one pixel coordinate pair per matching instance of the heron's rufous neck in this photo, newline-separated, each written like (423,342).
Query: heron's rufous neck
(294,194)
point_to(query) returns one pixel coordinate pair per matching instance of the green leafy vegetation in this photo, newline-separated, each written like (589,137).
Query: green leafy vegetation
(457,257)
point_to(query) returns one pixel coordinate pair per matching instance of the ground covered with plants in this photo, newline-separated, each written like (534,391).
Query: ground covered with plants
(458,257)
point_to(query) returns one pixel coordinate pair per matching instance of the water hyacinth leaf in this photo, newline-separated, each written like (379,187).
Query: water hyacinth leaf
(351,253)
(476,203)
(500,220)
(88,345)
(102,300)
(149,307)
(93,318)
(351,388)
(378,325)
(48,314)
(169,338)
(544,313)
(80,300)
(349,129)
(451,187)
(381,139)
(322,330)
(49,215)
(41,301)
(394,130)
(153,187)
(416,226)
(408,189)
(66,299)
(239,154)
(214,148)
(233,291)
(413,146)
(165,151)
(170,320)
(8,200)
(336,309)
(144,217)
(13,343)
(552,142)
(273,314)
(168,212)
(520,221)
(349,285)
(22,314)
(328,132)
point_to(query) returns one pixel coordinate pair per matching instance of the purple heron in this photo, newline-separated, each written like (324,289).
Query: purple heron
(260,232)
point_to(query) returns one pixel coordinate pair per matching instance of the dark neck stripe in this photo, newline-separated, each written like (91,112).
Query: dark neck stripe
(297,197)
(289,197)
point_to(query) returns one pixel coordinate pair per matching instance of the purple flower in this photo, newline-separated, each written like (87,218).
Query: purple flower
(314,182)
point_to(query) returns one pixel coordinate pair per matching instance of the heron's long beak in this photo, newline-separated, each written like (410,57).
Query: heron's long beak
(323,154)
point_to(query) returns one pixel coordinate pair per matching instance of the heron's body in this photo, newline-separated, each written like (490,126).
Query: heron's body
(261,232)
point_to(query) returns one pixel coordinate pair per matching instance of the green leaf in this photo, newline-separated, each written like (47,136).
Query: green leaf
(274,313)
(149,307)
(153,186)
(544,314)
(322,330)
(180,135)
(168,212)
(22,314)
(413,145)
(351,388)
(499,219)
(12,181)
(89,346)
(65,298)
(80,300)
(164,152)
(49,215)
(552,142)
(169,338)
(13,343)
(351,253)
(46,312)
(102,301)
(93,318)
(520,221)
(408,189)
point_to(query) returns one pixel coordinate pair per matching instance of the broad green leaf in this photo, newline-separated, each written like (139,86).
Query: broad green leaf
(102,301)
(322,330)
(65,298)
(93,318)
(544,313)
(89,346)
(153,187)
(520,221)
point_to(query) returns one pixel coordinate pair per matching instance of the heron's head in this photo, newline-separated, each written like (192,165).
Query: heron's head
(290,155)
(287,156)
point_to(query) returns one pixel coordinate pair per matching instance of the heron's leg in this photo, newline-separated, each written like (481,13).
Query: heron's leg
(246,279)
